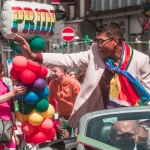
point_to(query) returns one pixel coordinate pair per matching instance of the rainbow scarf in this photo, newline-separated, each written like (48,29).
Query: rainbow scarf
(125,90)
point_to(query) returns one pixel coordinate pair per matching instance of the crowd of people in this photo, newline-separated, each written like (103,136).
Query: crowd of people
(110,75)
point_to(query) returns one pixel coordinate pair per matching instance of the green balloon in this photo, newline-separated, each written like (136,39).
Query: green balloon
(37,44)
(25,108)
(16,106)
(41,105)
(15,47)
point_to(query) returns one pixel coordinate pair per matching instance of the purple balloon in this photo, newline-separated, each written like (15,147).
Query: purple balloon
(39,85)
(20,83)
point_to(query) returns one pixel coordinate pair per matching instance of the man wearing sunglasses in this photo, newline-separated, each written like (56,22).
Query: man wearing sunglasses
(123,135)
(116,76)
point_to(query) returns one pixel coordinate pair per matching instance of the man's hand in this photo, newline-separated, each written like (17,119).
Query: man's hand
(142,135)
(25,47)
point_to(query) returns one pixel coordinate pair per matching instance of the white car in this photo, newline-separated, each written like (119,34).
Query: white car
(94,128)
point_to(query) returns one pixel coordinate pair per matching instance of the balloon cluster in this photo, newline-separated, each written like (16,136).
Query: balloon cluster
(34,112)
(37,44)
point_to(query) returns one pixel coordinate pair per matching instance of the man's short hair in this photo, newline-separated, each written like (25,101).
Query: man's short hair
(111,29)
(60,68)
(113,130)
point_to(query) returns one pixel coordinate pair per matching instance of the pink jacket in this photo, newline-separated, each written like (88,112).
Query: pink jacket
(5,108)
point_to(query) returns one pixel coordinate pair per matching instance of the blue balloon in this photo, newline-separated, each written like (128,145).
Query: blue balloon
(31,98)
(44,93)
(13,53)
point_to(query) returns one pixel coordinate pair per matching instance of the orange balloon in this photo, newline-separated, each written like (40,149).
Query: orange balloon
(46,125)
(19,63)
(20,117)
(49,112)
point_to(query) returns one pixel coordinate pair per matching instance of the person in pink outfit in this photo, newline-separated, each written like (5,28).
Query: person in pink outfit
(7,107)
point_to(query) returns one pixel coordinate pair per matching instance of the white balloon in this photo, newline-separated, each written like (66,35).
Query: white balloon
(28,19)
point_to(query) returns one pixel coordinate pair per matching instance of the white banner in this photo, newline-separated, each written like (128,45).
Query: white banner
(28,19)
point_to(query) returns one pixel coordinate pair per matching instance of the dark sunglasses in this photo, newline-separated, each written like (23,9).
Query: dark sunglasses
(100,42)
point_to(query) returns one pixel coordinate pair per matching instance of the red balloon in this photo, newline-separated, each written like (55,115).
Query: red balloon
(19,63)
(42,72)
(28,138)
(54,103)
(33,66)
(39,137)
(28,76)
(56,124)
(46,125)
(15,74)
(27,128)
(50,135)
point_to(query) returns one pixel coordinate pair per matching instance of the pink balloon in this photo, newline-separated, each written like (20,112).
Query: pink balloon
(33,66)
(28,76)
(50,135)
(19,63)
(46,125)
(39,137)
(27,128)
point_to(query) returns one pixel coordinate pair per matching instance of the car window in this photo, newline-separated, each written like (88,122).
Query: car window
(122,134)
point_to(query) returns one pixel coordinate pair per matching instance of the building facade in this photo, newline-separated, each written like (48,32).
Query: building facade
(130,14)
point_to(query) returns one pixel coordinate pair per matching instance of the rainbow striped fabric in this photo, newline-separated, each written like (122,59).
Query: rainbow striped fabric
(125,90)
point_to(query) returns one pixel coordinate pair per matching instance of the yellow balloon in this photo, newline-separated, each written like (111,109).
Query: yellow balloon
(49,112)
(35,118)
(20,117)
